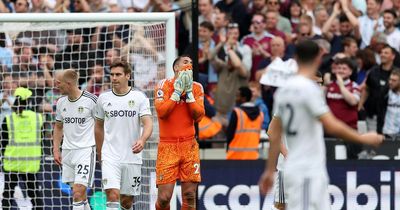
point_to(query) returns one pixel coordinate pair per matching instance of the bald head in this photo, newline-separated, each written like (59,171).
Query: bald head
(277,47)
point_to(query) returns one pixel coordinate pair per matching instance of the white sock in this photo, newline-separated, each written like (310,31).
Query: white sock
(80,205)
(122,208)
(87,205)
(112,206)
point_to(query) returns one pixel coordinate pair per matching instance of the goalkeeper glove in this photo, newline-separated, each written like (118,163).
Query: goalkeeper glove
(179,87)
(188,77)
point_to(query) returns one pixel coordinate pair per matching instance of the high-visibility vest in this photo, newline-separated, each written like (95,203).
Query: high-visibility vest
(244,145)
(208,128)
(23,151)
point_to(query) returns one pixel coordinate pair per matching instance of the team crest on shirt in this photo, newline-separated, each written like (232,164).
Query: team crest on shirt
(131,103)
(80,109)
(160,94)
(64,110)
(160,177)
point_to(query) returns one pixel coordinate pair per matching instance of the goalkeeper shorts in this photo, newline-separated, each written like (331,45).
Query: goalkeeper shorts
(178,160)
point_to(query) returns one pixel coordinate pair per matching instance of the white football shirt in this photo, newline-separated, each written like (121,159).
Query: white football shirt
(299,104)
(121,115)
(77,118)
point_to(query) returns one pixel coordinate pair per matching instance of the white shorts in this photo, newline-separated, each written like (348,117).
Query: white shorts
(307,191)
(280,192)
(125,177)
(78,166)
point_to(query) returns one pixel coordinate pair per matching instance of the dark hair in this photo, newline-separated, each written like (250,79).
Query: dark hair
(343,18)
(19,105)
(379,1)
(126,66)
(385,46)
(306,51)
(245,92)
(179,58)
(208,25)
(367,57)
(392,12)
(346,61)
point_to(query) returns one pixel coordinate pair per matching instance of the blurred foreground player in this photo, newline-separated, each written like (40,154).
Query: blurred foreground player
(179,103)
(301,114)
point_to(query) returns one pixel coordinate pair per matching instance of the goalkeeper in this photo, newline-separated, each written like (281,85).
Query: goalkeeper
(179,104)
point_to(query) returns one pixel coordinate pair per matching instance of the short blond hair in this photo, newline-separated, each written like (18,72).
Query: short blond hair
(71,75)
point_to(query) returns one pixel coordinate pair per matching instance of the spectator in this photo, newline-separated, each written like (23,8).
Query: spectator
(365,61)
(77,54)
(97,82)
(350,47)
(396,8)
(343,96)
(366,24)
(259,6)
(237,10)
(21,6)
(42,6)
(221,21)
(377,81)
(6,55)
(272,24)
(256,98)
(206,11)
(283,23)
(206,45)
(25,126)
(277,51)
(232,62)
(243,133)
(378,41)
(321,16)
(112,55)
(81,6)
(392,33)
(295,14)
(259,42)
(391,107)
(7,98)
(46,63)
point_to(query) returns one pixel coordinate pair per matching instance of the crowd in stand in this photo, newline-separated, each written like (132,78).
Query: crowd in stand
(238,39)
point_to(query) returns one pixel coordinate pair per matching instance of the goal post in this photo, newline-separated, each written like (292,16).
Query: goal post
(34,47)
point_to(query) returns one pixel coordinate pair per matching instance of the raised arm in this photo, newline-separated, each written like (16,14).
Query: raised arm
(163,102)
(327,26)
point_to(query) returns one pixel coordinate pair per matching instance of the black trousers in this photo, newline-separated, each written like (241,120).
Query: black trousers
(32,185)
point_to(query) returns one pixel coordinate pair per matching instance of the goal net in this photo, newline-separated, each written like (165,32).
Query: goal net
(34,47)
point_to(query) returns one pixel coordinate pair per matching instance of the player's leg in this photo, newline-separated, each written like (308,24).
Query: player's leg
(131,182)
(189,173)
(166,172)
(164,196)
(189,195)
(111,174)
(34,191)
(83,177)
(10,182)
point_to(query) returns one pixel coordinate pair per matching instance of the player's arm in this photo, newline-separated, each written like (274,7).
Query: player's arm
(147,123)
(196,107)
(163,102)
(99,136)
(275,139)
(57,137)
(339,129)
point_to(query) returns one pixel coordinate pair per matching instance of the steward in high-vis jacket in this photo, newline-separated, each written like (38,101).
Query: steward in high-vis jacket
(243,133)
